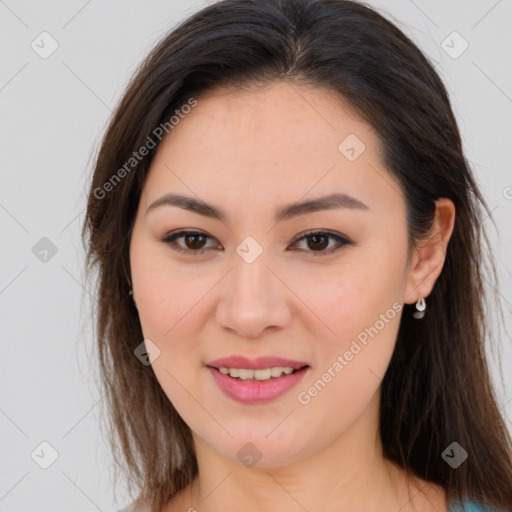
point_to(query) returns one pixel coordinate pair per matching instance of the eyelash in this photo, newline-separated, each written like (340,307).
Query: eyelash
(170,240)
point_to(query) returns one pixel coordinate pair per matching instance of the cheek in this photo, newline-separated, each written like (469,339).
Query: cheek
(169,307)
(353,298)
(361,306)
(168,294)
(365,327)
(351,363)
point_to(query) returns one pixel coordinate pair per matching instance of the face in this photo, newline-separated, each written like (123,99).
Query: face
(319,287)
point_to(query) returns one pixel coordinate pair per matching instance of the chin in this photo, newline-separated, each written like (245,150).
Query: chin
(252,451)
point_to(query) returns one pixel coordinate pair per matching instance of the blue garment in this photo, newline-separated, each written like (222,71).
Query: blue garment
(472,506)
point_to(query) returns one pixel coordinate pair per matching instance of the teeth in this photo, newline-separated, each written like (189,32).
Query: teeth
(276,371)
(263,374)
(243,373)
(248,374)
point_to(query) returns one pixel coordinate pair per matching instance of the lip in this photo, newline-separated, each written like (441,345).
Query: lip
(256,364)
(256,392)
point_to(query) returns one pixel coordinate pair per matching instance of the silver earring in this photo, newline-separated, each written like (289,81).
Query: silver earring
(130,292)
(420,308)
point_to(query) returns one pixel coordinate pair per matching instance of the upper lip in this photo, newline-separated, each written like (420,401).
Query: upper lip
(259,363)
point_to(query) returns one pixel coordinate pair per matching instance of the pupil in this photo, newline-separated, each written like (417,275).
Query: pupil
(316,239)
(193,245)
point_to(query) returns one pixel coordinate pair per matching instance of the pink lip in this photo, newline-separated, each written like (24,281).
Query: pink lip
(254,392)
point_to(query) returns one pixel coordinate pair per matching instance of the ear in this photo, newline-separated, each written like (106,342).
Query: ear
(428,258)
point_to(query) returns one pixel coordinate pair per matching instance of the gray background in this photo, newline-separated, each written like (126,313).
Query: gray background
(53,112)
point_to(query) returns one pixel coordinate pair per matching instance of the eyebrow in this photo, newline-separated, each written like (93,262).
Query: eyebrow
(330,202)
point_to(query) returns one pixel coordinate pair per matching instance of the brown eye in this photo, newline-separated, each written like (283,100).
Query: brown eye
(318,242)
(193,241)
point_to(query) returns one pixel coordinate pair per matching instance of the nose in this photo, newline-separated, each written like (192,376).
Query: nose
(254,299)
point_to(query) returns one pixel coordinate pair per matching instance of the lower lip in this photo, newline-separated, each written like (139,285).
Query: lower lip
(251,392)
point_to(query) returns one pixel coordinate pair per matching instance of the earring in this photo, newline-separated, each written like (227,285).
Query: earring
(420,308)
(134,303)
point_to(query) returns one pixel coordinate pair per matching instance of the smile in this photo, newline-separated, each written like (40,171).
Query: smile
(256,386)
(250,374)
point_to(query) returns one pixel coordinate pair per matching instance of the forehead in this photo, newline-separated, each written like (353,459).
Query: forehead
(310,115)
(275,143)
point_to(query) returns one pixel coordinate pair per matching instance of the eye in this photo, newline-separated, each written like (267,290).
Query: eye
(194,241)
(318,242)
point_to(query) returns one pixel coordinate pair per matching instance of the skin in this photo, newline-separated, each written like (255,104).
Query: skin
(250,153)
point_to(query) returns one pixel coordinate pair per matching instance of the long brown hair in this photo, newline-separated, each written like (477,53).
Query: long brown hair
(437,389)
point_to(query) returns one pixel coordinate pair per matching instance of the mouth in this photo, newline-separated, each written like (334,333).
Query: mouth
(256,381)
(258,375)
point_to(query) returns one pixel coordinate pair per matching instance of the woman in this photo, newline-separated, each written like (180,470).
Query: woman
(289,247)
